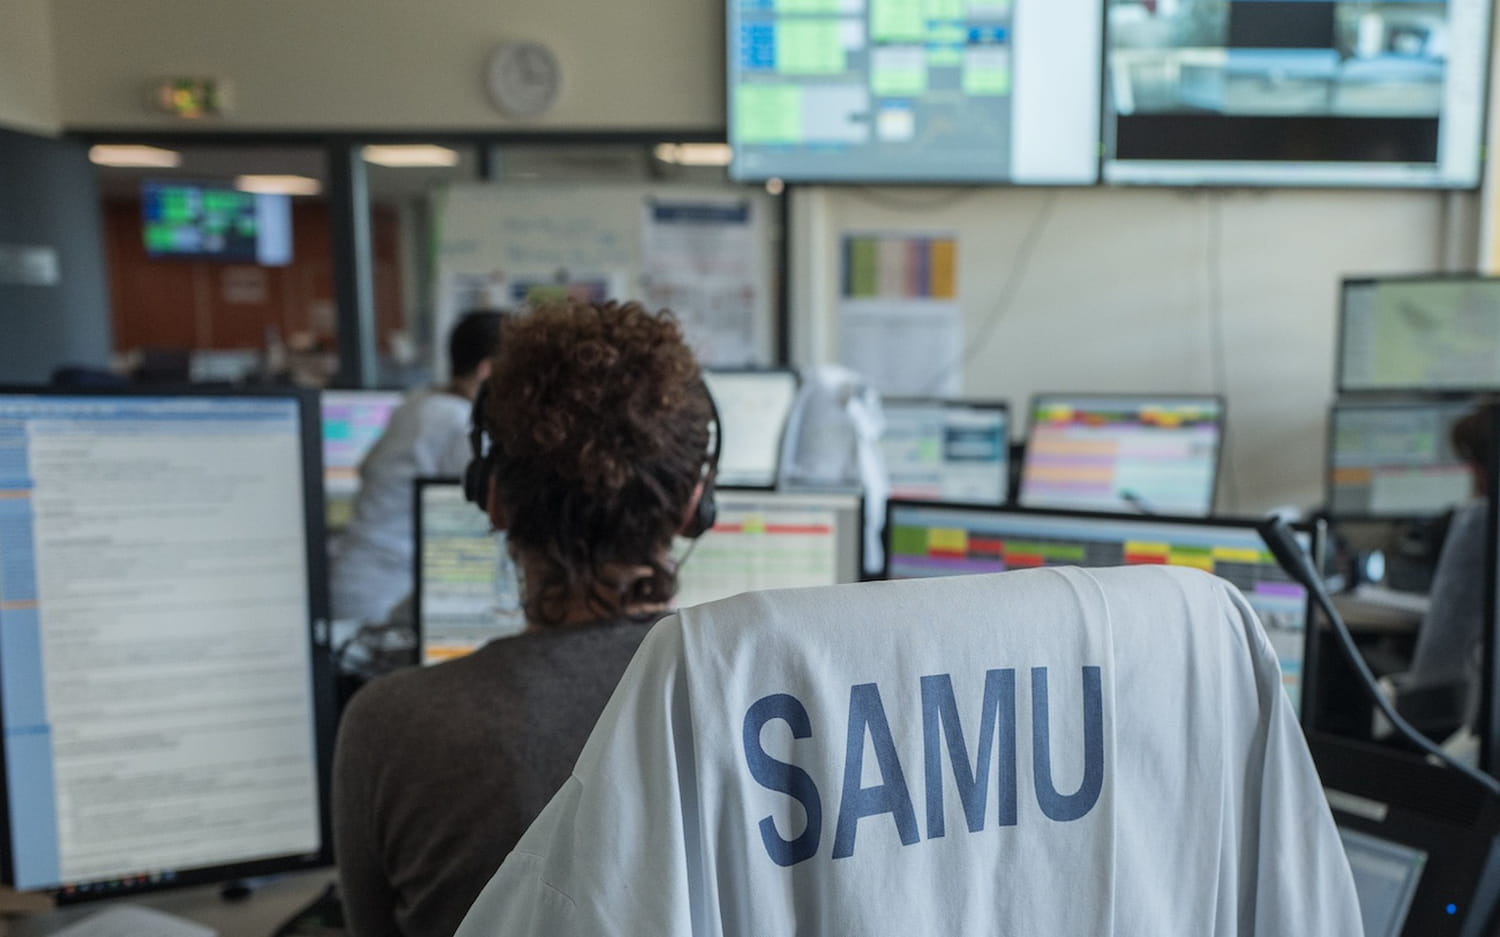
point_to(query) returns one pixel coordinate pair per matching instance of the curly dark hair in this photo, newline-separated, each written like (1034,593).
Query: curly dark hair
(1472,435)
(599,419)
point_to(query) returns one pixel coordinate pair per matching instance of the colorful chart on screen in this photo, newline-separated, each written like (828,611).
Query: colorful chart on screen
(1396,460)
(927,540)
(933,90)
(1134,455)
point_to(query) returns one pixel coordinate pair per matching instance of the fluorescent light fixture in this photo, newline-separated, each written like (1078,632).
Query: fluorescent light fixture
(695,154)
(278,185)
(409,157)
(134,156)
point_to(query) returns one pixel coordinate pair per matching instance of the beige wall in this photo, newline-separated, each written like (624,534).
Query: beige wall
(28,99)
(393,64)
(1124,289)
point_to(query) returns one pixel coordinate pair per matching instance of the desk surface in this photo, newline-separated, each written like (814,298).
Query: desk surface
(273,901)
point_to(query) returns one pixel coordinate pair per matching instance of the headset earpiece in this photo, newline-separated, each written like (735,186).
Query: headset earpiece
(706,511)
(481,453)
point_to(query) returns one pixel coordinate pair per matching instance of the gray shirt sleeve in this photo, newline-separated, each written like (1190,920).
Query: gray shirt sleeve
(368,897)
(1447,643)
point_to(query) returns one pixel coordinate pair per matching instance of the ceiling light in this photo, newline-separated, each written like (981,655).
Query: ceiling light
(695,154)
(134,156)
(279,185)
(415,155)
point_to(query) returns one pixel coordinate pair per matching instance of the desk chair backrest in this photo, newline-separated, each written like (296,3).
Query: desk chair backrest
(1053,752)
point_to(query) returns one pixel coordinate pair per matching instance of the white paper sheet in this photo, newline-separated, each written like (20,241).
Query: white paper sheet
(905,347)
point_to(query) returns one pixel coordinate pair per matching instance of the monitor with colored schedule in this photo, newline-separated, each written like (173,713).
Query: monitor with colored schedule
(467,590)
(352,421)
(204,221)
(998,91)
(772,540)
(924,540)
(1130,454)
(947,450)
(164,688)
(1396,460)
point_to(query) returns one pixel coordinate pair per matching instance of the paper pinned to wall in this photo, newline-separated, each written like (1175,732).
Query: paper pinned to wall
(705,259)
(900,323)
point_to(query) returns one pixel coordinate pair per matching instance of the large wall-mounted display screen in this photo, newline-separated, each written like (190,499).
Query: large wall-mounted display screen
(1296,92)
(999,91)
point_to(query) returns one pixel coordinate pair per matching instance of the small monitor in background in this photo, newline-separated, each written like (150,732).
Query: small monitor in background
(1386,875)
(1420,334)
(1421,839)
(166,701)
(467,593)
(924,540)
(753,411)
(1126,454)
(352,421)
(204,221)
(773,540)
(947,450)
(1395,460)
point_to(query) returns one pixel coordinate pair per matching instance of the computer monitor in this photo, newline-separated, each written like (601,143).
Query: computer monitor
(1131,454)
(773,540)
(352,421)
(947,450)
(993,91)
(925,540)
(467,592)
(1419,334)
(754,406)
(1395,460)
(1220,92)
(1420,839)
(164,679)
(215,221)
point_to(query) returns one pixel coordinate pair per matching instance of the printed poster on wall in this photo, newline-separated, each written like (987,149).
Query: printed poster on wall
(900,325)
(706,261)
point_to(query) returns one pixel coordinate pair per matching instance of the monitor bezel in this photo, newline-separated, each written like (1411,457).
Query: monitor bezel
(1360,403)
(785,426)
(1219,447)
(1316,529)
(963,403)
(1426,391)
(320,653)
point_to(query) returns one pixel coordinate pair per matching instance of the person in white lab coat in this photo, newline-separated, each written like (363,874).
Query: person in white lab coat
(1048,752)
(427,437)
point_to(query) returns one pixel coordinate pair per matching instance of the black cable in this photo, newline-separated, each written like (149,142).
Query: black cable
(1289,555)
(1018,270)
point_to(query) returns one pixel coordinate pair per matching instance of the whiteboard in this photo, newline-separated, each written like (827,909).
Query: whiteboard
(702,250)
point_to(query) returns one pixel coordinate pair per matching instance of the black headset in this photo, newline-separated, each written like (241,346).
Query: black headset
(485,456)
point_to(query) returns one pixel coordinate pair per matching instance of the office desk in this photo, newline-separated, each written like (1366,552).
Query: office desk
(258,915)
(1377,618)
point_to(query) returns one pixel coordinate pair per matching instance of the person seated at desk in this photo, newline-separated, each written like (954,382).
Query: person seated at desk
(427,436)
(1445,665)
(599,457)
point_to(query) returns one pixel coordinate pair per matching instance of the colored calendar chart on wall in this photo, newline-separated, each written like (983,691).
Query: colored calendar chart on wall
(898,267)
